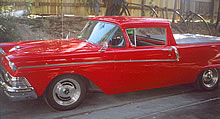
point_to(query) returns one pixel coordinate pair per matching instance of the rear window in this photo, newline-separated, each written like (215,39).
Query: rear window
(147,36)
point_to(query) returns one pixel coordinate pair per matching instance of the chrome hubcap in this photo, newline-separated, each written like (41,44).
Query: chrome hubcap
(66,92)
(210,78)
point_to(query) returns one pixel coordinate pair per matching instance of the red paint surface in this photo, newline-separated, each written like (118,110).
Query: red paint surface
(113,78)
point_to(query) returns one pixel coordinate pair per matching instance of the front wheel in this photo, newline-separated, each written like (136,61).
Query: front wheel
(208,80)
(65,92)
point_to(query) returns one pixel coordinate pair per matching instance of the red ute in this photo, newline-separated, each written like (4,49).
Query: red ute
(118,54)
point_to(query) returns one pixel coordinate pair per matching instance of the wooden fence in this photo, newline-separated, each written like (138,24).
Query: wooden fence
(79,8)
(53,7)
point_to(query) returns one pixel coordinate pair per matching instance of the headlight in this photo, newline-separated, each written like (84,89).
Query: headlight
(11,64)
(19,82)
(2,51)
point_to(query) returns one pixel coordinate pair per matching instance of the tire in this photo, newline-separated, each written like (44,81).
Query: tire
(65,92)
(208,80)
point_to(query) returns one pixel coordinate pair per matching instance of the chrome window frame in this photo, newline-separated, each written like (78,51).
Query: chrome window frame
(133,45)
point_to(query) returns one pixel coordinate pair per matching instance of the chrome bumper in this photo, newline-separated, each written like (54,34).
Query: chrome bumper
(17,94)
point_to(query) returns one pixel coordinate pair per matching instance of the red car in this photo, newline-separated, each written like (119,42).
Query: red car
(116,54)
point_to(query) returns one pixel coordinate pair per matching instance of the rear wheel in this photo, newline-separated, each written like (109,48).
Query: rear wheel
(65,92)
(208,80)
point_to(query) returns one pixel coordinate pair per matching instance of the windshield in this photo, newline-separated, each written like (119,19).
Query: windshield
(97,32)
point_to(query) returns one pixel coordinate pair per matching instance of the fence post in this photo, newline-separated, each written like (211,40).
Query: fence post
(97,8)
(218,21)
(188,5)
(174,13)
(182,5)
(211,12)
(167,14)
(163,13)
(142,7)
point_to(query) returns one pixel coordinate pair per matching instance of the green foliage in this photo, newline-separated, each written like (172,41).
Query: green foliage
(8,29)
(6,9)
(8,23)
(9,6)
(28,5)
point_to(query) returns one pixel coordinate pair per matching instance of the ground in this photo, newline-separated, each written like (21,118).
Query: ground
(182,102)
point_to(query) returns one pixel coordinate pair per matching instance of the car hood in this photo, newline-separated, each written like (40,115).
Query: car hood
(49,47)
(44,51)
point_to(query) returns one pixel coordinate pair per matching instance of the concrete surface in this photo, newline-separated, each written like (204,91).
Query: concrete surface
(182,102)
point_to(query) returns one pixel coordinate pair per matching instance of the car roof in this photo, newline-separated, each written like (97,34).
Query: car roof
(127,21)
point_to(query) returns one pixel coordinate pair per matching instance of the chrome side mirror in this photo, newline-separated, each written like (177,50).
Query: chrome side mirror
(104,47)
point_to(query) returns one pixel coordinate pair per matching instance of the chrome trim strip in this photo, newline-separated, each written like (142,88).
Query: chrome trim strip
(177,53)
(98,62)
(135,37)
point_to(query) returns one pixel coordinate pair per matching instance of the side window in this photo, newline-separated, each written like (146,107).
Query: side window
(117,40)
(148,36)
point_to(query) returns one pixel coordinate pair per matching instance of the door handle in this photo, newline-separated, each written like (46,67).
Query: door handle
(170,50)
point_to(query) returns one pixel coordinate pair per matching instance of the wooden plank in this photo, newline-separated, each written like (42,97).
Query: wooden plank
(52,8)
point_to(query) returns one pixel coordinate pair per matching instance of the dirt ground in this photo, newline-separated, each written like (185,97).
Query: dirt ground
(55,27)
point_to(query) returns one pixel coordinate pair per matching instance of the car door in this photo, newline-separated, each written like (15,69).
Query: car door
(148,62)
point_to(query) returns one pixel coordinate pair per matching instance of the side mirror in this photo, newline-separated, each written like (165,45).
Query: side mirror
(104,47)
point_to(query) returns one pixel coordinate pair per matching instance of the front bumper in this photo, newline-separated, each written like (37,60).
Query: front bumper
(14,93)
